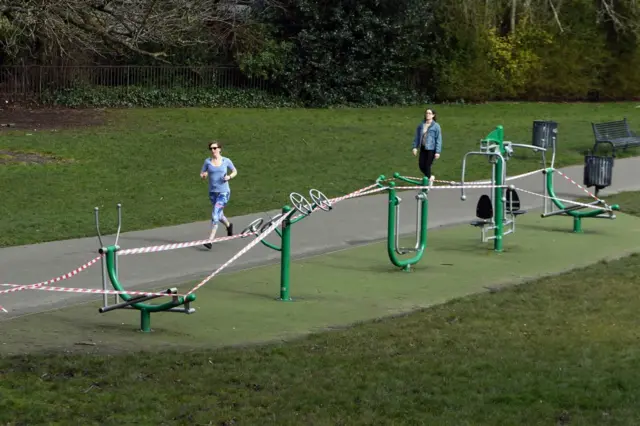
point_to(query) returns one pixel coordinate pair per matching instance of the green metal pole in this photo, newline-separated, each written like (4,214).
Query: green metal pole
(577,224)
(499,206)
(497,136)
(285,256)
(145,320)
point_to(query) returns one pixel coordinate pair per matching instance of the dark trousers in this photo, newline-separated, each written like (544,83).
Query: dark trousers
(426,160)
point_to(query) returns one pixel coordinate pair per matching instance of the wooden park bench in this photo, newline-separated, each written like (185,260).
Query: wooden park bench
(615,133)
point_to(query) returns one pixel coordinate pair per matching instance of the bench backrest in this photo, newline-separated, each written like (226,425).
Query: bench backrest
(611,130)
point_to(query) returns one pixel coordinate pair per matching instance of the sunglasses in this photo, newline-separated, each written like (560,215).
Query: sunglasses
(214,147)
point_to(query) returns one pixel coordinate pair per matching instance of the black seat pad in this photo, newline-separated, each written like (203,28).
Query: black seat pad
(484,209)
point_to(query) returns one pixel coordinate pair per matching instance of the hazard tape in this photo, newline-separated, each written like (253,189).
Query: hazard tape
(44,287)
(360,193)
(451,186)
(101,291)
(481,182)
(606,208)
(243,251)
(20,287)
(174,246)
(580,186)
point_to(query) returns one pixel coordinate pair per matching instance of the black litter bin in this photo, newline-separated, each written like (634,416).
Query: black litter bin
(544,133)
(598,171)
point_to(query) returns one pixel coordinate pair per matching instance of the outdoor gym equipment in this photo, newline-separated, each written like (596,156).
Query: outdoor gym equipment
(491,209)
(393,222)
(597,173)
(573,211)
(109,261)
(304,209)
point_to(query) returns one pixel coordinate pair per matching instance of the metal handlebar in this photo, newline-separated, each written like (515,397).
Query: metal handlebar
(464,166)
(95,209)
(119,223)
(97,217)
(523,145)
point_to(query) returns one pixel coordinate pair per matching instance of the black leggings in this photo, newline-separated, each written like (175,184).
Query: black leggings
(426,160)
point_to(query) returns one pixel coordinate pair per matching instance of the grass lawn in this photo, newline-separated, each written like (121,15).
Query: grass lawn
(560,350)
(149,159)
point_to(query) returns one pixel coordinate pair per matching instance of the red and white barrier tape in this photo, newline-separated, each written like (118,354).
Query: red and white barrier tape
(481,182)
(359,193)
(243,251)
(580,186)
(577,203)
(43,285)
(450,186)
(19,287)
(174,246)
(101,291)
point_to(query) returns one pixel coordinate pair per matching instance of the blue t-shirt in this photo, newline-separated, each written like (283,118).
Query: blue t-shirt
(216,174)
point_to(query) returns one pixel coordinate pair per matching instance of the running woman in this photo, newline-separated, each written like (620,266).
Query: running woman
(216,168)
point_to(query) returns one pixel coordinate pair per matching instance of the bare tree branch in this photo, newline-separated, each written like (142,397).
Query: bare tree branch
(144,27)
(555,15)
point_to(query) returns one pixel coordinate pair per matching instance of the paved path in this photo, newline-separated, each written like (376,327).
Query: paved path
(351,222)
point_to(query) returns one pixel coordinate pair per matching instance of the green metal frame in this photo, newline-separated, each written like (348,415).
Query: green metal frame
(392,221)
(144,308)
(573,212)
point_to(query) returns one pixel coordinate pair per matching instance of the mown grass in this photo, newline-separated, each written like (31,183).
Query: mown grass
(558,351)
(148,160)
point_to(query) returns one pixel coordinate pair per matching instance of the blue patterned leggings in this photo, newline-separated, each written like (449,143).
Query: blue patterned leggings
(218,201)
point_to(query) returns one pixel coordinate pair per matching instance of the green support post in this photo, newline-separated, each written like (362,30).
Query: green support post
(145,321)
(577,225)
(392,222)
(497,137)
(499,207)
(285,257)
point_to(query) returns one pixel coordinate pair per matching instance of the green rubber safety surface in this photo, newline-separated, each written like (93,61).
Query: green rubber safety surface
(333,290)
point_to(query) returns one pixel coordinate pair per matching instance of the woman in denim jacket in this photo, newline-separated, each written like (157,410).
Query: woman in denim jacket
(429,138)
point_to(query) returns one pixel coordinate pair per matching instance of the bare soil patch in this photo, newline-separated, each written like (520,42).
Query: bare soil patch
(17,157)
(22,118)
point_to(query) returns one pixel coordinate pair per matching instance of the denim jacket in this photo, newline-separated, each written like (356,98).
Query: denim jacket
(431,140)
